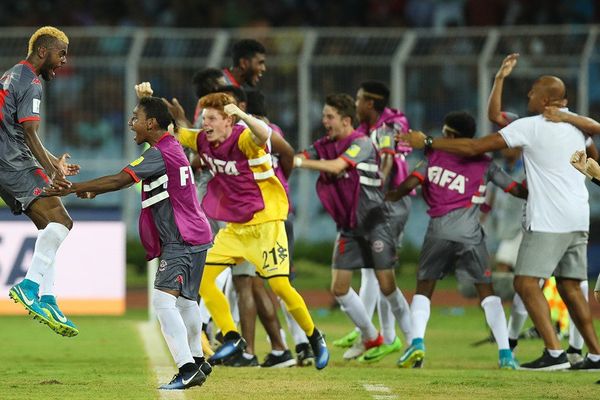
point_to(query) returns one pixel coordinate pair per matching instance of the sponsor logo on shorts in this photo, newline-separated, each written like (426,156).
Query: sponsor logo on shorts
(37,191)
(162,265)
(179,279)
(488,273)
(282,252)
(378,246)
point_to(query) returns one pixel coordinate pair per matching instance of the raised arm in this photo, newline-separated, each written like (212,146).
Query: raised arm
(260,131)
(495,100)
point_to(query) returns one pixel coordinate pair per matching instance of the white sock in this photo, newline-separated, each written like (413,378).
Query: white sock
(593,357)
(172,327)
(387,320)
(419,309)
(401,311)
(355,309)
(231,294)
(496,320)
(48,241)
(518,316)
(575,338)
(47,285)
(190,313)
(298,335)
(369,290)
(555,353)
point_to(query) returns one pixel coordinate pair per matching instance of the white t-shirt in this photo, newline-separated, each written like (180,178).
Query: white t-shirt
(558,197)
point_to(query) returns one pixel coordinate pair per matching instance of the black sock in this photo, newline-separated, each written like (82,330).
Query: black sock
(232,335)
(189,367)
(199,360)
(512,343)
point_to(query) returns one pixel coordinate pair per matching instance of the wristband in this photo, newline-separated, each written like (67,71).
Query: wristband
(297,162)
(428,142)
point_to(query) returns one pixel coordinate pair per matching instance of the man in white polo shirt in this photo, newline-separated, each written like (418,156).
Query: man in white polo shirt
(556,221)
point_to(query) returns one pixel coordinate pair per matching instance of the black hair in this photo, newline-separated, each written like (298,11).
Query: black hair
(344,104)
(380,91)
(255,103)
(462,122)
(237,92)
(246,48)
(205,81)
(155,108)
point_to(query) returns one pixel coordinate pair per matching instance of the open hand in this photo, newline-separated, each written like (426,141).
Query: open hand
(57,190)
(66,168)
(175,109)
(507,66)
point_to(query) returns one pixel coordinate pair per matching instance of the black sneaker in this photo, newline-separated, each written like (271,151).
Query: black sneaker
(282,361)
(238,360)
(548,363)
(233,344)
(203,365)
(586,365)
(574,355)
(304,355)
(319,348)
(185,380)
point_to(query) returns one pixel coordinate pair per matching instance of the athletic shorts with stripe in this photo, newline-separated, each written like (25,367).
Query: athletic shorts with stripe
(19,189)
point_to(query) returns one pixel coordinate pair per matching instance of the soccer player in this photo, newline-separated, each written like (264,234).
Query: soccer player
(350,189)
(172,227)
(556,218)
(249,64)
(283,163)
(247,195)
(381,124)
(508,248)
(453,188)
(26,167)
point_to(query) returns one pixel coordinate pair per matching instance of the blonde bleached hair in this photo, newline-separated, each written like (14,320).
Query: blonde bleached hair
(46,30)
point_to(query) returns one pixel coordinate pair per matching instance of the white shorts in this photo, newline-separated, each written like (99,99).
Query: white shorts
(508,250)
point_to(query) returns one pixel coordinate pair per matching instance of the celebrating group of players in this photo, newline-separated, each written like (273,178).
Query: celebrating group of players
(240,214)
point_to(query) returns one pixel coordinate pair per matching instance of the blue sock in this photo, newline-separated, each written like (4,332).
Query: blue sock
(417,342)
(505,353)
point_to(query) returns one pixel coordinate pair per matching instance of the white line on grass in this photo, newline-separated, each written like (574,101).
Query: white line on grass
(160,361)
(379,391)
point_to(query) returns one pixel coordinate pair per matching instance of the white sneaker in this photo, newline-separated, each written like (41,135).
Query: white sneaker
(357,350)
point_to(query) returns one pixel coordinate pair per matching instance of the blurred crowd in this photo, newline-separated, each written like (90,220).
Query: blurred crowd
(235,13)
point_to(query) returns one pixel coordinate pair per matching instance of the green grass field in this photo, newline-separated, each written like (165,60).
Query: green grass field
(107,361)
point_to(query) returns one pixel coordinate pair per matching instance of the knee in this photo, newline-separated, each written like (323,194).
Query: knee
(67,222)
(280,286)
(597,296)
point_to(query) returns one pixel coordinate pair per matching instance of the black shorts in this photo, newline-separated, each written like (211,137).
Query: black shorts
(19,189)
(182,273)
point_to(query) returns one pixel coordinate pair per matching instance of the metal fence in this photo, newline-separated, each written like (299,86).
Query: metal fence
(430,72)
